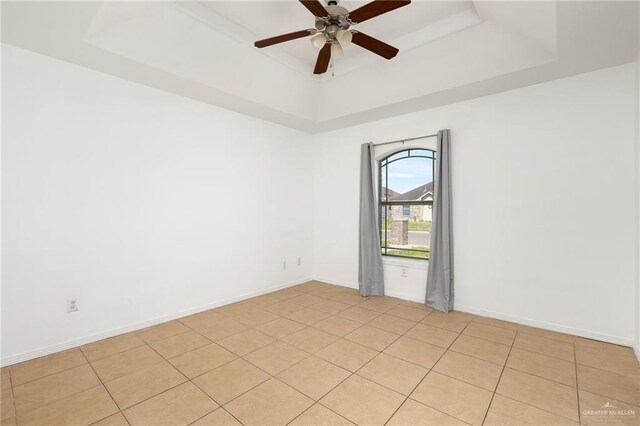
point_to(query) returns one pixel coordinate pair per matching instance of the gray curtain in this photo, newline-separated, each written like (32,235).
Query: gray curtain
(440,277)
(370,273)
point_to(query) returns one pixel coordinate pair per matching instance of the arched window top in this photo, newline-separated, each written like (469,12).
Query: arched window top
(408,153)
(409,172)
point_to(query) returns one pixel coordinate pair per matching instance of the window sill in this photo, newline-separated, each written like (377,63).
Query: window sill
(405,262)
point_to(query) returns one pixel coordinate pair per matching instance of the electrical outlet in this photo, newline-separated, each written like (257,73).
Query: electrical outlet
(403,272)
(284,264)
(299,261)
(72,305)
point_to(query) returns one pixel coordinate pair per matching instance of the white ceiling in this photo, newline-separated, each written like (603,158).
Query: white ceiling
(257,20)
(449,51)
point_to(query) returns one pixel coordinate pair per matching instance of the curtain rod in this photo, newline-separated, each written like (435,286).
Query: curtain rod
(406,140)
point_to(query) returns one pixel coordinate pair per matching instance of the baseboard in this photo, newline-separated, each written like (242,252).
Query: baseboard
(404,296)
(518,320)
(73,343)
(636,350)
(69,344)
(547,326)
(335,282)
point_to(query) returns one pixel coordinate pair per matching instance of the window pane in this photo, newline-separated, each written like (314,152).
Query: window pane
(405,229)
(383,183)
(421,153)
(409,174)
(407,237)
(385,227)
(397,155)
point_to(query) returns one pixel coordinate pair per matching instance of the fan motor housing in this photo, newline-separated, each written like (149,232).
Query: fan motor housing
(331,32)
(337,17)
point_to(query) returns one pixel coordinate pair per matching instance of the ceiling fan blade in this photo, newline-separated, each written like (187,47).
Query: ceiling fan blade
(374,45)
(375,8)
(323,59)
(282,38)
(315,7)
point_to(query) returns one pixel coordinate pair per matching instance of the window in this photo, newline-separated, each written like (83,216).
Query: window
(406,198)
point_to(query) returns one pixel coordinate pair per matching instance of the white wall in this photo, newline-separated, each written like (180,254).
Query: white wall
(637,181)
(637,211)
(146,205)
(142,204)
(528,166)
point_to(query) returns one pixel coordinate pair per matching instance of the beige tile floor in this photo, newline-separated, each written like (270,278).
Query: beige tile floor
(318,354)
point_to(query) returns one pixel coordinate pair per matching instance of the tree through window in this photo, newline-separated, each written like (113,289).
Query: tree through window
(406,200)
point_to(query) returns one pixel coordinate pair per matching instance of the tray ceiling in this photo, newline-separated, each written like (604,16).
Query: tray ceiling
(449,51)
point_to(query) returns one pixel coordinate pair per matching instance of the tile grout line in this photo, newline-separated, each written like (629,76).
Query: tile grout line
(250,327)
(321,405)
(610,397)
(526,350)
(519,330)
(274,377)
(327,393)
(310,355)
(122,410)
(425,376)
(235,397)
(575,358)
(229,412)
(275,338)
(222,338)
(153,396)
(435,409)
(59,399)
(208,371)
(495,390)
(176,335)
(52,374)
(105,388)
(168,360)
(230,317)
(538,408)
(475,357)
(67,396)
(120,353)
(107,356)
(544,378)
(527,373)
(220,407)
(377,351)
(254,327)
(266,372)
(13,395)
(382,351)
(343,338)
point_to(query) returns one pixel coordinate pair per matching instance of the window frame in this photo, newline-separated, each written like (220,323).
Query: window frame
(383,205)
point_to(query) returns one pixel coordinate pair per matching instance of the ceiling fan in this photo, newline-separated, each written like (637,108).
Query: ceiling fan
(331,33)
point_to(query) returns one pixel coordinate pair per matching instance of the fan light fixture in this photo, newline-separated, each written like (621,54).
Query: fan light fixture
(336,50)
(339,42)
(344,38)
(331,34)
(318,40)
